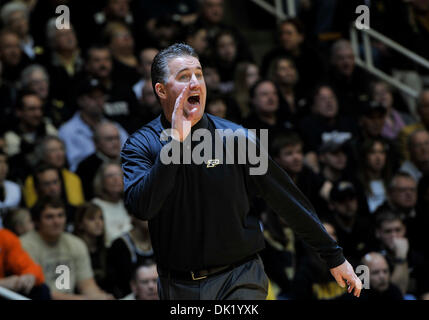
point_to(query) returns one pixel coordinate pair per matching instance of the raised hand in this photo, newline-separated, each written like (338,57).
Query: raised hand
(180,125)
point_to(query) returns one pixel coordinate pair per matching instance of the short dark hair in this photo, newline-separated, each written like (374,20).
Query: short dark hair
(399,174)
(295,22)
(42,204)
(159,69)
(146,263)
(86,209)
(40,169)
(255,86)
(316,90)
(285,140)
(386,215)
(95,46)
(20,97)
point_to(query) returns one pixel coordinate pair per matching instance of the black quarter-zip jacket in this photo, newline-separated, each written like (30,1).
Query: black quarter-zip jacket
(200,216)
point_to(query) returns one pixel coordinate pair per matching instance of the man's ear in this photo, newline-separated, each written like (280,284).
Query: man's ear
(160,90)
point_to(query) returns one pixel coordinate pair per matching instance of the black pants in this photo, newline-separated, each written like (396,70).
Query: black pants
(245,282)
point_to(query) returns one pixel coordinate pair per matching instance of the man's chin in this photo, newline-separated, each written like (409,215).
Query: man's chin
(194,113)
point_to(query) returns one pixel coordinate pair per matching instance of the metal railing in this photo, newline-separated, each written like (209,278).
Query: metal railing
(367,62)
(278,8)
(11,295)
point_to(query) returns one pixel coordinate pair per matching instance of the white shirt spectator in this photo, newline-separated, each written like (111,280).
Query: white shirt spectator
(78,139)
(116,219)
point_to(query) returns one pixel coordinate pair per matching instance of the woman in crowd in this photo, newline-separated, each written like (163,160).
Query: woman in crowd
(89,226)
(395,120)
(375,172)
(246,74)
(109,190)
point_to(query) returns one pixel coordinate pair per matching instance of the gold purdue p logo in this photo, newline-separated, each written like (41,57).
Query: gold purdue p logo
(212,163)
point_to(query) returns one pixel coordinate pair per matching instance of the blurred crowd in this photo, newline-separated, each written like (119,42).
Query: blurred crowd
(354,145)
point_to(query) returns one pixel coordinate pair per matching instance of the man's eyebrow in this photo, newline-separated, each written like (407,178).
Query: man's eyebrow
(186,69)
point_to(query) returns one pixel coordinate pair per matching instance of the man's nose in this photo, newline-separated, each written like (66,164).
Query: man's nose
(194,83)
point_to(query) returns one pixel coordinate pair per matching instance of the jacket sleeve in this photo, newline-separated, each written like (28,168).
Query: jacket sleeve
(147,181)
(282,195)
(19,262)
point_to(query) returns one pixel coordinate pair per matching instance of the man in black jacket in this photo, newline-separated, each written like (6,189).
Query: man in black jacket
(204,233)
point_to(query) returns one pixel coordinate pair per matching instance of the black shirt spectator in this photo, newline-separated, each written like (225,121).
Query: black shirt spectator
(308,62)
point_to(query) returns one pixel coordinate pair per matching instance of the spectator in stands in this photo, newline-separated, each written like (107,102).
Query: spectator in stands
(196,37)
(120,103)
(216,106)
(30,127)
(107,150)
(48,183)
(353,228)
(50,246)
(382,93)
(36,78)
(372,119)
(18,221)
(10,192)
(128,251)
(109,191)
(406,264)
(15,17)
(51,151)
(333,159)
(291,43)
(77,133)
(145,62)
(423,112)
(371,122)
(265,104)
(292,100)
(211,16)
(287,151)
(226,56)
(63,60)
(402,199)
(18,272)
(144,283)
(374,171)
(325,123)
(31,124)
(350,83)
(212,78)
(381,286)
(89,226)
(246,74)
(111,11)
(121,45)
(12,57)
(418,149)
(149,108)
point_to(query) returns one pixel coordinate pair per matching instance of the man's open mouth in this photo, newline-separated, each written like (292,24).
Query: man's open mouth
(194,99)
